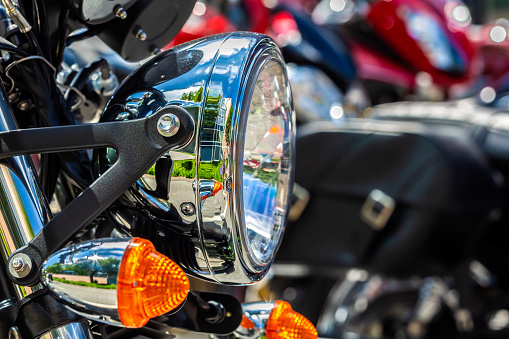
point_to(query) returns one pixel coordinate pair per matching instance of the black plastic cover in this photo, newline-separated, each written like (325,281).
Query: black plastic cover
(160,20)
(95,12)
(443,189)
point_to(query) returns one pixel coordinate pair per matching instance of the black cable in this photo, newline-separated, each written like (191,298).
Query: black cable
(14,50)
(43,28)
(62,36)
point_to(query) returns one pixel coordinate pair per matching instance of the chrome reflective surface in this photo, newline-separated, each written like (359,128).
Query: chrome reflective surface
(259,314)
(85,276)
(350,298)
(24,210)
(77,330)
(212,79)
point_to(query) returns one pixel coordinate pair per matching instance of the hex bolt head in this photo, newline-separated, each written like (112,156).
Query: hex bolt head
(168,125)
(14,333)
(120,12)
(187,209)
(18,264)
(154,50)
(25,105)
(140,34)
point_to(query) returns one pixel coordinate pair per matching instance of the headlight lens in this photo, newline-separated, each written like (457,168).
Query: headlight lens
(266,180)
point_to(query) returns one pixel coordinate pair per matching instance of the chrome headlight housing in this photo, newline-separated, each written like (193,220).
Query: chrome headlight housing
(219,206)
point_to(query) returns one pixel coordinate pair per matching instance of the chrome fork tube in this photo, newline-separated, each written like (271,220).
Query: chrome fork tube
(77,330)
(24,210)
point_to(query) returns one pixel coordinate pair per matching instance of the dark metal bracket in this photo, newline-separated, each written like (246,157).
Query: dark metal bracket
(206,312)
(138,144)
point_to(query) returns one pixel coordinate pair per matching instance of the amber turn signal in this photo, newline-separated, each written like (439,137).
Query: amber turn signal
(285,323)
(149,284)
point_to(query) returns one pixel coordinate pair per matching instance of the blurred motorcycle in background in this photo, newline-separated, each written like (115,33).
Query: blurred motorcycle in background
(113,194)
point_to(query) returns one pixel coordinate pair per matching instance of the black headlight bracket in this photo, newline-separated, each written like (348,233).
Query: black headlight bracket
(138,144)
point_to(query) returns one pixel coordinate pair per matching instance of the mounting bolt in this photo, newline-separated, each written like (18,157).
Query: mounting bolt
(154,50)
(187,209)
(14,333)
(168,125)
(25,105)
(18,264)
(140,34)
(120,12)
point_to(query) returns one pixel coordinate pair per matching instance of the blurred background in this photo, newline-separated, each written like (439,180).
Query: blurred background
(398,222)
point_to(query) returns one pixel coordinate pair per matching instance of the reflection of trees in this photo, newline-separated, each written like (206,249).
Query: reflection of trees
(187,169)
(195,96)
(87,267)
(211,112)
(228,126)
(55,268)
(269,177)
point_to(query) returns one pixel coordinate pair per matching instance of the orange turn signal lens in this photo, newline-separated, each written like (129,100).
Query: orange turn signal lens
(247,323)
(149,284)
(285,323)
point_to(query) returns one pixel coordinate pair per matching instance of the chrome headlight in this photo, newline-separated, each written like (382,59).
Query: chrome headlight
(219,206)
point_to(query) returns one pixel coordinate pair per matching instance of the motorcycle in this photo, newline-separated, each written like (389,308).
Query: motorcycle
(406,217)
(104,215)
(321,69)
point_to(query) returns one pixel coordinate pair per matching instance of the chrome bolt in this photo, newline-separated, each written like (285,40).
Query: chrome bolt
(168,125)
(187,209)
(120,12)
(155,50)
(25,105)
(140,34)
(18,264)
(14,97)
(14,333)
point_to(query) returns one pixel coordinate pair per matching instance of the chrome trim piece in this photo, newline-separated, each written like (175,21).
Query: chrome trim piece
(85,277)
(77,330)
(212,79)
(351,297)
(24,210)
(259,314)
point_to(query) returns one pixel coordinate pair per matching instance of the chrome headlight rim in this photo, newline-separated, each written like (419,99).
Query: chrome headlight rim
(215,90)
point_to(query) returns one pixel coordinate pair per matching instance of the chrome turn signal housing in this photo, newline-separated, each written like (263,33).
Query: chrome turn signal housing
(218,206)
(122,281)
(274,320)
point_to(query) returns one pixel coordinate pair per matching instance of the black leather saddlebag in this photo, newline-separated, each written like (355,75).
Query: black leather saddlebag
(389,196)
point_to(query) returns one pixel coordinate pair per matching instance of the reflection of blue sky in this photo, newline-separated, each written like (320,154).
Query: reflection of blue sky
(30,209)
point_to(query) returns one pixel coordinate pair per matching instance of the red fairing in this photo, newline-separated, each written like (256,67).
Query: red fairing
(405,25)
(204,21)
(259,15)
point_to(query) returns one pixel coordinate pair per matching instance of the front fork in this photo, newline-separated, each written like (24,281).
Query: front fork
(24,212)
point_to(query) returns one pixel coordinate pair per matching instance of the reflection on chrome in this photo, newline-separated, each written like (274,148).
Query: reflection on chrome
(236,88)
(24,210)
(257,315)
(77,330)
(85,276)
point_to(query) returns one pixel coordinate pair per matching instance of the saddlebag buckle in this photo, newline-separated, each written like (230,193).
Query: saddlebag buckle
(377,209)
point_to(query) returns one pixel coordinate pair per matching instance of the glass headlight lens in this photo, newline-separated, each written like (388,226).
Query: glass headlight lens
(266,165)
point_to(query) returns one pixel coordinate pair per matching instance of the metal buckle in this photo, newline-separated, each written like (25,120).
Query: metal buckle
(377,209)
(300,199)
